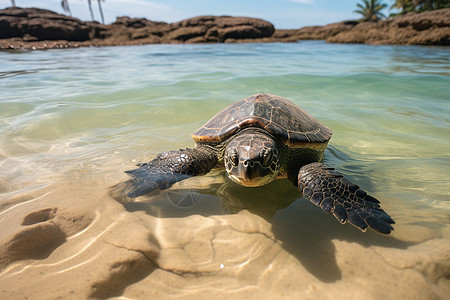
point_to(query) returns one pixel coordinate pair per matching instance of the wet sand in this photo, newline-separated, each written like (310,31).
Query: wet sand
(75,241)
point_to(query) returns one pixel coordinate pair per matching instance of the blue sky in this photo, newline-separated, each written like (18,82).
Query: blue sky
(282,13)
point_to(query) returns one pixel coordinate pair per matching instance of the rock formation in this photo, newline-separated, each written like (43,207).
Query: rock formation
(35,28)
(314,32)
(428,28)
(34,24)
(23,26)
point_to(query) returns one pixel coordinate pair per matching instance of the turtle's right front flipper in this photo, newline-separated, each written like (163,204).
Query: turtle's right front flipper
(168,168)
(328,189)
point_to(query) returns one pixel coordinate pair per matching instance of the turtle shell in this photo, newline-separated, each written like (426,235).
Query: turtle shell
(283,119)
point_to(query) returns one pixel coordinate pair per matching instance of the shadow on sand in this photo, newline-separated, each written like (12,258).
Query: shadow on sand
(303,229)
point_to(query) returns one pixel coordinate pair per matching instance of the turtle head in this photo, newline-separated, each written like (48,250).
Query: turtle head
(252,159)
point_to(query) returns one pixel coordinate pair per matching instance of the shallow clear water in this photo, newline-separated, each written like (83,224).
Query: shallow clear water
(72,110)
(83,116)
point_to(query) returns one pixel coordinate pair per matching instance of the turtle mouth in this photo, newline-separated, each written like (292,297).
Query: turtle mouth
(252,182)
(251,173)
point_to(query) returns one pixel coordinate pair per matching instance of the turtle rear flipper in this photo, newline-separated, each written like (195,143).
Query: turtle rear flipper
(328,189)
(168,168)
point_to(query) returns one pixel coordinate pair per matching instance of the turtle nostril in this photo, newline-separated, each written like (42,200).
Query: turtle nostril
(249,163)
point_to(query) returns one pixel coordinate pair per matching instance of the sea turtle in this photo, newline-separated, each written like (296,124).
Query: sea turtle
(256,140)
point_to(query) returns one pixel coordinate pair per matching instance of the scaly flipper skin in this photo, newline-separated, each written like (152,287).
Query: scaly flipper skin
(328,189)
(168,168)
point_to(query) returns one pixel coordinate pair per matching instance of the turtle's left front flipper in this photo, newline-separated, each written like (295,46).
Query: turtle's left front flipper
(328,189)
(168,168)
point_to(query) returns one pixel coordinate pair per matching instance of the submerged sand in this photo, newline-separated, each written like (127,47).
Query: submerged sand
(73,241)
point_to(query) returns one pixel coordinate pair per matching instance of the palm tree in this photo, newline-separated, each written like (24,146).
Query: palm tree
(90,9)
(13,3)
(403,5)
(99,7)
(371,10)
(65,6)
(101,11)
(422,5)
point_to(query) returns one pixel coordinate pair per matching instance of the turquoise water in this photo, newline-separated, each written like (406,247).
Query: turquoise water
(78,109)
(81,117)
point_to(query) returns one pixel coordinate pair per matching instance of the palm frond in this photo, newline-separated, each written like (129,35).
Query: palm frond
(371,10)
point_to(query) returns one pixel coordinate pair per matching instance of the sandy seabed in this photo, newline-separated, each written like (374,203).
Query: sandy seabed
(73,241)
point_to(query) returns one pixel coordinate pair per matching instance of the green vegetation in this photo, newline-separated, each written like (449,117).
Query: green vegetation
(371,10)
(402,5)
(406,6)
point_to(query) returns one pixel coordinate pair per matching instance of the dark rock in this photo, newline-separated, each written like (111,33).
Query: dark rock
(186,33)
(41,24)
(137,22)
(241,32)
(219,29)
(427,28)
(315,32)
(35,28)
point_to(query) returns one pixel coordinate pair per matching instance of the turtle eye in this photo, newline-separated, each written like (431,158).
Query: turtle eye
(234,157)
(267,155)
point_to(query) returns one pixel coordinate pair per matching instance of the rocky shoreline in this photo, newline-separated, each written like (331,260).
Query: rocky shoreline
(33,28)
